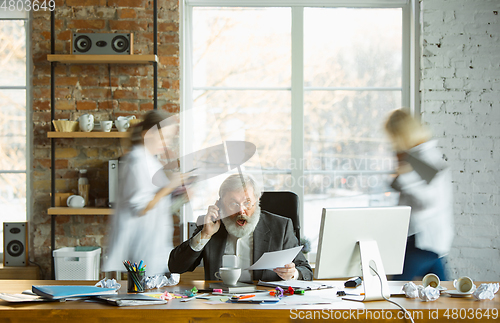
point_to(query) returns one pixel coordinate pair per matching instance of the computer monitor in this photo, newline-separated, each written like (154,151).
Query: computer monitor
(353,239)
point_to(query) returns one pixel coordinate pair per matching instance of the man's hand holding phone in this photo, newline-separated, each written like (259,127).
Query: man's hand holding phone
(211,222)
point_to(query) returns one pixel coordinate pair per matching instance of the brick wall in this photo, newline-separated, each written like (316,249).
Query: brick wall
(106,91)
(461,103)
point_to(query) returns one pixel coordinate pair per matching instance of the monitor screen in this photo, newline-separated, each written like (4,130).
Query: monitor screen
(341,228)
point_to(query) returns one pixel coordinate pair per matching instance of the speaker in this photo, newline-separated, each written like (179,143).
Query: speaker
(102,44)
(113,181)
(15,244)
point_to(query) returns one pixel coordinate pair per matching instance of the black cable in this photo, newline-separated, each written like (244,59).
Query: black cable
(39,267)
(407,314)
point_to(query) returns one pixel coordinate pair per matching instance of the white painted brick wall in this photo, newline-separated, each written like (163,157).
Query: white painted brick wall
(460,93)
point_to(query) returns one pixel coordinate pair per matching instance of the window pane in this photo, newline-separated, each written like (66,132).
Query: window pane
(352,47)
(12,199)
(241,47)
(348,159)
(260,117)
(329,190)
(346,124)
(277,182)
(12,53)
(13,130)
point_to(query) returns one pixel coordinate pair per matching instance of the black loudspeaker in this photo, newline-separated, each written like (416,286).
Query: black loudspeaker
(15,244)
(102,44)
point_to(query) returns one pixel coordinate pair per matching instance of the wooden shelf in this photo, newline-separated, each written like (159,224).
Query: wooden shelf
(103,59)
(92,134)
(80,211)
(19,272)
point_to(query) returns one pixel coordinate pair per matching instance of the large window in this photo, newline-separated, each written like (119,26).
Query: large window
(13,94)
(309,85)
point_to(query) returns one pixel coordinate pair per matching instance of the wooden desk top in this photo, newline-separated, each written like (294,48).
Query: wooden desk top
(445,308)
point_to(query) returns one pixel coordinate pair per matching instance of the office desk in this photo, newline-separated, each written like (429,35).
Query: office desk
(444,309)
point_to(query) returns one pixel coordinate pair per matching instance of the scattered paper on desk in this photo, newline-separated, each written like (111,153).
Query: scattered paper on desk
(22,298)
(217,300)
(275,259)
(305,300)
(108,283)
(486,291)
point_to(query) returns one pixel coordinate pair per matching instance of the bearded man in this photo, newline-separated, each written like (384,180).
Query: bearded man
(236,227)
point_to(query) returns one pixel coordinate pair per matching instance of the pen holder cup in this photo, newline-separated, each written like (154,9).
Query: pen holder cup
(136,282)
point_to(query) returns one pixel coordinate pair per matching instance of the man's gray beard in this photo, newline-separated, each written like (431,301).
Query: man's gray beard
(237,231)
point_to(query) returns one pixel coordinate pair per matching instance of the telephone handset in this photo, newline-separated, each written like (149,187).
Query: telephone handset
(219,205)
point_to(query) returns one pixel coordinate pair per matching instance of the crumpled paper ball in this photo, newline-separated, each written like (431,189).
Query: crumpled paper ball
(108,283)
(158,281)
(428,293)
(411,290)
(486,291)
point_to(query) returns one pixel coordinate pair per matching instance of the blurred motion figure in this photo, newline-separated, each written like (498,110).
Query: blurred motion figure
(424,183)
(142,226)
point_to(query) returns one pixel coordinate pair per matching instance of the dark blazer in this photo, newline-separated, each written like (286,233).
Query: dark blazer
(272,233)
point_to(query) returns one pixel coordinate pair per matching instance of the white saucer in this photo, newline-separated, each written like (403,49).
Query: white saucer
(456,293)
(441,288)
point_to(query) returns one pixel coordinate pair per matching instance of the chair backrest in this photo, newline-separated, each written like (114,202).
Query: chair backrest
(284,203)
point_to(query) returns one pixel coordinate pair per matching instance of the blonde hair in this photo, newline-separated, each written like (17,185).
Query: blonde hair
(405,131)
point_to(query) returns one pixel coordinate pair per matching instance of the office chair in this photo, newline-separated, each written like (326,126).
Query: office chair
(284,203)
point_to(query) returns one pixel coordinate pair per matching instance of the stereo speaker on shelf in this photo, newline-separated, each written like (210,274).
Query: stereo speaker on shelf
(102,44)
(15,244)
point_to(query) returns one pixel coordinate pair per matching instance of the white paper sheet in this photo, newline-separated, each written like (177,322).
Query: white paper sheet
(274,259)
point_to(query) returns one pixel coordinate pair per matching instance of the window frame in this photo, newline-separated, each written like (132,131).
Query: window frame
(410,66)
(26,16)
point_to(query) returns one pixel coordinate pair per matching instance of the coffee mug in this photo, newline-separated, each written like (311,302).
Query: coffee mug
(106,125)
(464,284)
(122,124)
(86,122)
(431,280)
(229,276)
(75,201)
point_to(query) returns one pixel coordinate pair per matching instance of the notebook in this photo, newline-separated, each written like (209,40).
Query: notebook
(238,288)
(59,292)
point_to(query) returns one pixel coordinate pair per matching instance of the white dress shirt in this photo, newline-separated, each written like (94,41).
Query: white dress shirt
(242,248)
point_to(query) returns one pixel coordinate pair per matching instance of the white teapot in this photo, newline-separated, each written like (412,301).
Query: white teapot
(125,118)
(86,122)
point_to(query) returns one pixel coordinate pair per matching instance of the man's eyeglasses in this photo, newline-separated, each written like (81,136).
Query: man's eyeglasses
(247,205)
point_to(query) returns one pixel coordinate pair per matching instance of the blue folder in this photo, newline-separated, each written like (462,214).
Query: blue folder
(60,292)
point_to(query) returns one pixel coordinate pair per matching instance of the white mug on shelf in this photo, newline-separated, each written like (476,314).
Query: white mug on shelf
(75,201)
(106,125)
(122,124)
(86,122)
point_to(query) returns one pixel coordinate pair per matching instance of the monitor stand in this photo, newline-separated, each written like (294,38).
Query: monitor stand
(370,257)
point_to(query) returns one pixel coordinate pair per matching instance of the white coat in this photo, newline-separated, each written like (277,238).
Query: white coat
(133,237)
(431,219)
